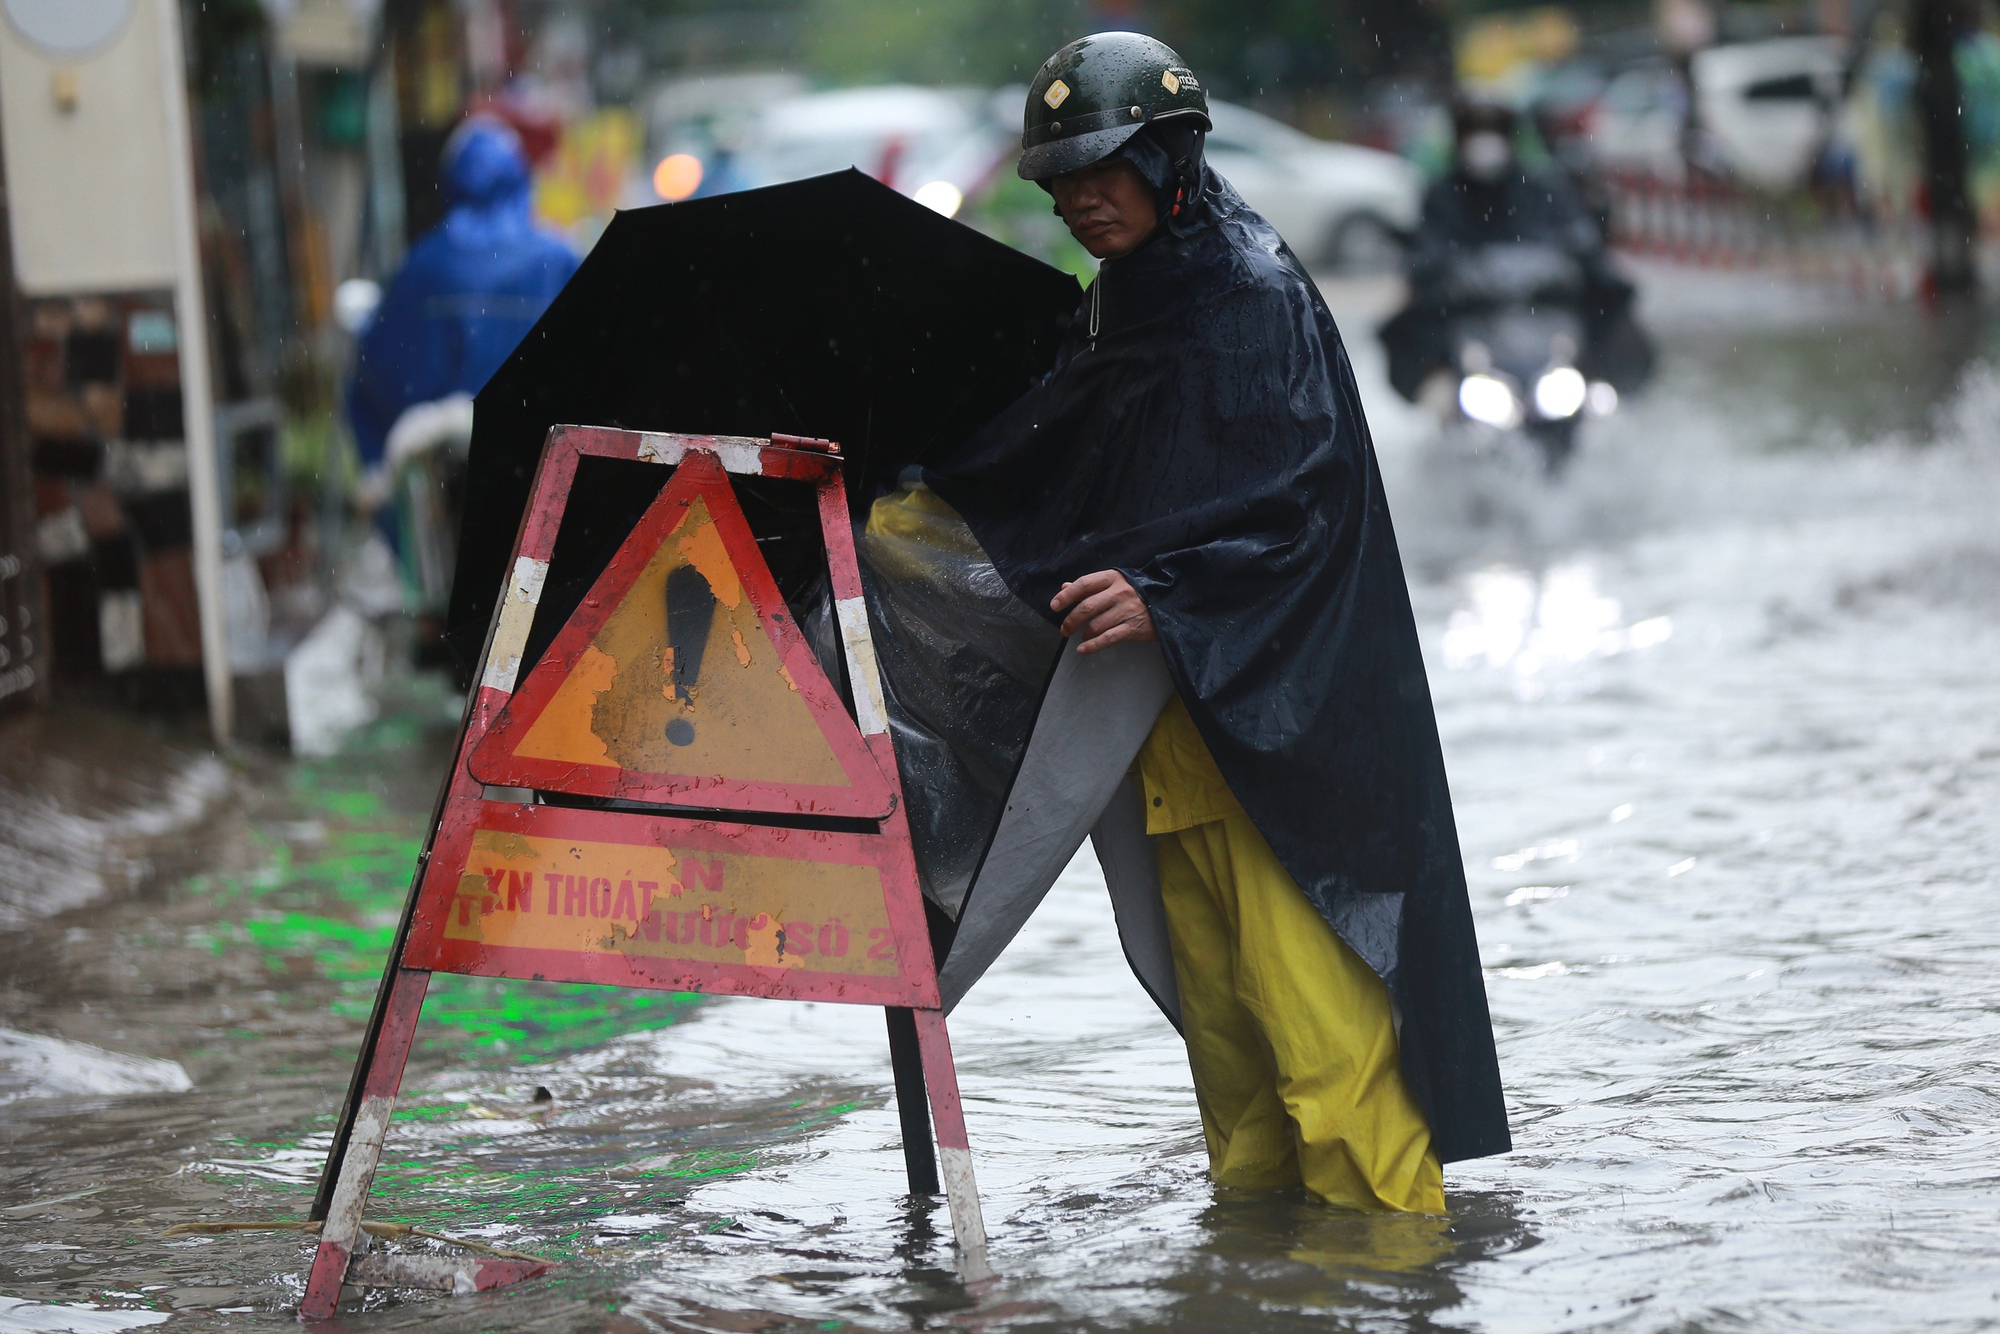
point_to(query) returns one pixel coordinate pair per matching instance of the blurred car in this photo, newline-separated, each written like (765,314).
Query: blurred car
(1764,110)
(695,124)
(1636,122)
(935,144)
(1769,106)
(1338,205)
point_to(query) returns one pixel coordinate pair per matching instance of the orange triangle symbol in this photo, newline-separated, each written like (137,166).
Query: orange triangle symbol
(682,680)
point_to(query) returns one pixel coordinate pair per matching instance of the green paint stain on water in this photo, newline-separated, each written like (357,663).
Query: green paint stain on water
(350,805)
(543,1018)
(704,1163)
(330,909)
(320,905)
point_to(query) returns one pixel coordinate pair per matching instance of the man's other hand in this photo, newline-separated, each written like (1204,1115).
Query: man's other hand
(1104,609)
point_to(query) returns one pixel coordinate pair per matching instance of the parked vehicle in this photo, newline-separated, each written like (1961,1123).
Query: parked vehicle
(1338,205)
(1762,112)
(1767,107)
(1638,122)
(936,144)
(695,125)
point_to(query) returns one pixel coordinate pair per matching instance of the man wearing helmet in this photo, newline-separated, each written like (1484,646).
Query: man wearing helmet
(1192,491)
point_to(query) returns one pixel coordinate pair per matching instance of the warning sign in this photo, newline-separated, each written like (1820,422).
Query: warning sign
(754,843)
(683,680)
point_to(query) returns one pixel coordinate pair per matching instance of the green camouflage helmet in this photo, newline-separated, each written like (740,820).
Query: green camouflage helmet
(1096,93)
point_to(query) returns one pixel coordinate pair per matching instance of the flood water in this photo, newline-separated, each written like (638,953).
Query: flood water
(1724,733)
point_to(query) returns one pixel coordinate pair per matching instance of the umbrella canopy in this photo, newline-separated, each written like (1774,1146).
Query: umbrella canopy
(831,307)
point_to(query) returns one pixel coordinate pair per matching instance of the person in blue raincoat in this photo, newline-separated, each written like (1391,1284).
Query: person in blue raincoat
(468,292)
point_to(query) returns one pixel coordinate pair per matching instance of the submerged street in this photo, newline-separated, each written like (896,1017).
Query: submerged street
(1720,720)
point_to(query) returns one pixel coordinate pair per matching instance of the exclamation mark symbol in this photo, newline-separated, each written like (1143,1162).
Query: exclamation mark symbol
(690,613)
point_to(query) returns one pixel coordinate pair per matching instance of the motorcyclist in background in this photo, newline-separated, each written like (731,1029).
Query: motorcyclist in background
(1492,199)
(1570,154)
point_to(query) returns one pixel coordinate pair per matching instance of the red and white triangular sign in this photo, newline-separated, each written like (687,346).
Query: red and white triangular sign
(682,680)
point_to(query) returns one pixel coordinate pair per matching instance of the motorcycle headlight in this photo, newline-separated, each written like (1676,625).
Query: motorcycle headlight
(1560,393)
(1489,399)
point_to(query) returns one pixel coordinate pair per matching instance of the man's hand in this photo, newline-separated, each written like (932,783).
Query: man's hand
(1104,609)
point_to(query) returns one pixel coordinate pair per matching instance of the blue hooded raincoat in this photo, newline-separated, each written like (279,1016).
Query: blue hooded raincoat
(469,291)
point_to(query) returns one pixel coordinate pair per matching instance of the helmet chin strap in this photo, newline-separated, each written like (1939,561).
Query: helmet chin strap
(1168,155)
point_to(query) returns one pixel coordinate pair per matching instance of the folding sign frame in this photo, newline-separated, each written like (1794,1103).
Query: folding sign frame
(681,681)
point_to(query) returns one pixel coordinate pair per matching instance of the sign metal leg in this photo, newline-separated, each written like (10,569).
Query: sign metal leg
(954,1150)
(912,1102)
(340,1234)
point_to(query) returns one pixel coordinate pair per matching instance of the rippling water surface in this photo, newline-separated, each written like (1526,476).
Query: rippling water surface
(1724,732)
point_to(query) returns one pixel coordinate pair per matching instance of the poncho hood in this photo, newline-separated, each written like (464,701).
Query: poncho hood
(1201,432)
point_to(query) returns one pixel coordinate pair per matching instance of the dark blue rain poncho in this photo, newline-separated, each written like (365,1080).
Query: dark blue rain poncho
(469,291)
(1207,441)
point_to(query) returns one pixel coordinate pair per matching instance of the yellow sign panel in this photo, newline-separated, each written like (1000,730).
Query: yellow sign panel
(682,679)
(519,891)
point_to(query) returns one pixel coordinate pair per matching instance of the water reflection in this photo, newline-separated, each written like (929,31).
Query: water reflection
(1284,1261)
(1530,623)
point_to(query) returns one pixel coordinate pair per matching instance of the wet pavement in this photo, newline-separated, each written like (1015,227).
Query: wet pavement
(1721,724)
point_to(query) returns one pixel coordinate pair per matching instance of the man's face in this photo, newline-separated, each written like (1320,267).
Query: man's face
(1108,206)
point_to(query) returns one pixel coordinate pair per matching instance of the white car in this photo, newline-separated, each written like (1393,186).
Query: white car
(1636,122)
(1336,204)
(935,144)
(1339,205)
(1769,106)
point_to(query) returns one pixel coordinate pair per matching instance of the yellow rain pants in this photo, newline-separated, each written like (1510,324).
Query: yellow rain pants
(1289,1032)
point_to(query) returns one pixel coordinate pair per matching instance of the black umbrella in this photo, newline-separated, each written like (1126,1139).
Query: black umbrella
(831,307)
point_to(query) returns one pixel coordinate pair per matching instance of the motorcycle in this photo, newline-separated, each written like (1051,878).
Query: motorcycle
(1515,332)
